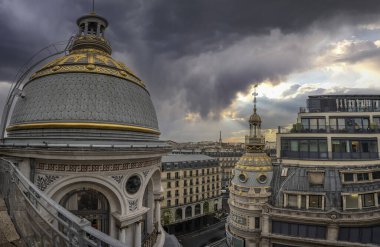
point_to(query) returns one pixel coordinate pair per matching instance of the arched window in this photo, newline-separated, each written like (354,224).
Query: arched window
(188,212)
(205,207)
(197,209)
(178,214)
(216,205)
(89,204)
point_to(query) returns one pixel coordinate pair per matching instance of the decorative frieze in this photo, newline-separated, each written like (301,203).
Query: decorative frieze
(238,219)
(43,181)
(80,167)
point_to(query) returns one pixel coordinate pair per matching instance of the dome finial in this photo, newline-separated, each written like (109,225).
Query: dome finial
(254,98)
(93,7)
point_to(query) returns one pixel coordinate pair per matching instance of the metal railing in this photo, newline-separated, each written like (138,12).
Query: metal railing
(330,155)
(298,128)
(151,239)
(39,220)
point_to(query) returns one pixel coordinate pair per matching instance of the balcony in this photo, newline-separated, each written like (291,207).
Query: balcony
(324,155)
(298,128)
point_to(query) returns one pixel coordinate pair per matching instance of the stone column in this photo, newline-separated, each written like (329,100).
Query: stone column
(183,213)
(192,210)
(98,30)
(201,208)
(137,234)
(329,148)
(265,226)
(86,28)
(126,235)
(327,124)
(157,209)
(332,232)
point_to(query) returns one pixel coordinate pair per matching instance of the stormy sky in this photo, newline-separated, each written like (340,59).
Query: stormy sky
(200,59)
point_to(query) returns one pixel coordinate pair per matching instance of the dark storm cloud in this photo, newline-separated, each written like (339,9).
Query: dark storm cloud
(204,52)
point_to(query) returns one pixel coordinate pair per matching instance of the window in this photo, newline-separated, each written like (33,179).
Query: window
(367,234)
(313,124)
(300,230)
(368,200)
(176,175)
(168,194)
(303,201)
(352,201)
(304,148)
(168,175)
(315,201)
(292,201)
(176,202)
(362,176)
(177,184)
(184,173)
(355,149)
(348,177)
(376,175)
(168,185)
(257,222)
(168,203)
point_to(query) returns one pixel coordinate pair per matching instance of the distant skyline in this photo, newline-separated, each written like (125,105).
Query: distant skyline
(200,59)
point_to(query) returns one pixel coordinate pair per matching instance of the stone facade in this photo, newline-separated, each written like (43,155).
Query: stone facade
(192,191)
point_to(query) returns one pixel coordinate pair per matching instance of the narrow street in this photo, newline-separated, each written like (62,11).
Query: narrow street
(209,235)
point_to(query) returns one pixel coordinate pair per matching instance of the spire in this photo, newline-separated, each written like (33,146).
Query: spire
(253,142)
(254,98)
(220,138)
(93,6)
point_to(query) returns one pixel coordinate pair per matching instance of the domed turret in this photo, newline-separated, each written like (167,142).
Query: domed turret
(85,89)
(255,119)
(250,186)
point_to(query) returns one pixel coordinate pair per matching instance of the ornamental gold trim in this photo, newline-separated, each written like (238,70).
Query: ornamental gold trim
(83,126)
(254,168)
(88,68)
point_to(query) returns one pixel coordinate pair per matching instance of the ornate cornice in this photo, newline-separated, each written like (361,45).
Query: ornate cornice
(91,167)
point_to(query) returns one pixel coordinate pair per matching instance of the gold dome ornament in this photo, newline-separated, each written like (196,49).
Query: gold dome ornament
(89,52)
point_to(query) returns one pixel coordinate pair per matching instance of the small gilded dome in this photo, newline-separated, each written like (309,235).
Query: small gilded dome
(257,161)
(255,118)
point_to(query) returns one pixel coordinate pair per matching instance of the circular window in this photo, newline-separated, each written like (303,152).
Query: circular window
(243,177)
(262,178)
(133,184)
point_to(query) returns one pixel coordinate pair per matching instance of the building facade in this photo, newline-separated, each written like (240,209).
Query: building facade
(227,159)
(192,192)
(85,132)
(326,182)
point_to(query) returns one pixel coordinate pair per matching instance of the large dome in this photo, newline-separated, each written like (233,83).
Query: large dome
(85,89)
